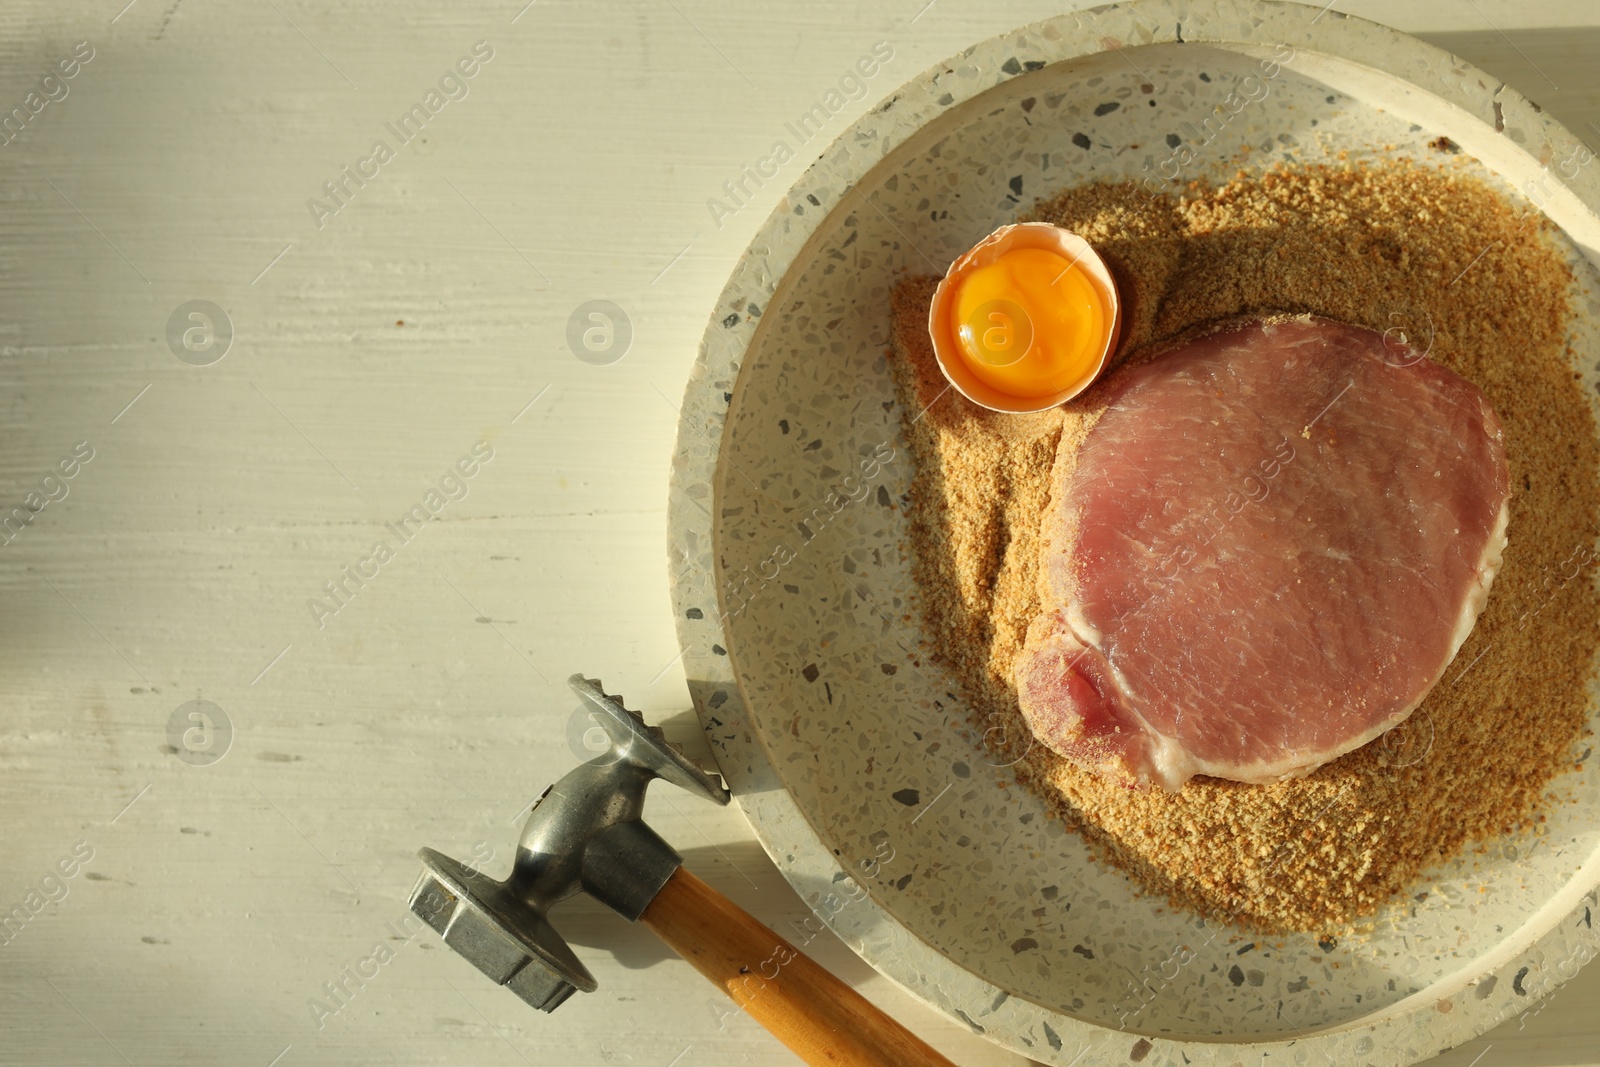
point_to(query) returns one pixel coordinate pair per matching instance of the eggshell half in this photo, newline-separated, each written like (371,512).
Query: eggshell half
(946,346)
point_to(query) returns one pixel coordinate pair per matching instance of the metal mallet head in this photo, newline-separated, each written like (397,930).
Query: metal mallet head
(585,835)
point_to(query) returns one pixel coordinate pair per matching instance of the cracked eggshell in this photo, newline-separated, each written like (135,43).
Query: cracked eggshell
(946,347)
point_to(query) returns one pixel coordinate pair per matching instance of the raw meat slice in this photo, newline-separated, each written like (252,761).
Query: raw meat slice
(1263,555)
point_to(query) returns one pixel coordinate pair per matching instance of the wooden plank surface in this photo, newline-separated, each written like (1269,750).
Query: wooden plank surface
(373,347)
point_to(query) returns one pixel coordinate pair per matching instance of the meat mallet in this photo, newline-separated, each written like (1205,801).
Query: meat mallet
(585,834)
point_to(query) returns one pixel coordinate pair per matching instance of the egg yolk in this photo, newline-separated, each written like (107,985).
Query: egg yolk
(1031,323)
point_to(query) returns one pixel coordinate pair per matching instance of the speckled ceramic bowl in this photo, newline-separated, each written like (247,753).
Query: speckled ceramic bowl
(796,609)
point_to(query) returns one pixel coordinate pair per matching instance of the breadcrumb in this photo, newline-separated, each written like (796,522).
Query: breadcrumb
(1425,251)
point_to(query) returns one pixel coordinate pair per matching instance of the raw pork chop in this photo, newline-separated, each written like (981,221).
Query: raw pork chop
(1265,553)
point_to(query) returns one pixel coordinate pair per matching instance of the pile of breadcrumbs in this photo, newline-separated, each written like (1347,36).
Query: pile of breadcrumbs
(1423,251)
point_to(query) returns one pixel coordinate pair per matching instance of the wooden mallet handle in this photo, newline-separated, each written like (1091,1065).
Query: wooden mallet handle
(821,1019)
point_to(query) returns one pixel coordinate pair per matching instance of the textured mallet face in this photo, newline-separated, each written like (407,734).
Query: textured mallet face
(540,987)
(583,834)
(474,935)
(504,938)
(434,903)
(482,941)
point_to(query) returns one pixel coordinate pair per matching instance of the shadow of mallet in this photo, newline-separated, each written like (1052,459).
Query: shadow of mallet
(585,835)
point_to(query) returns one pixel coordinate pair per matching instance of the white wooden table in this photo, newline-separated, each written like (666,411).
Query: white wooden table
(421,309)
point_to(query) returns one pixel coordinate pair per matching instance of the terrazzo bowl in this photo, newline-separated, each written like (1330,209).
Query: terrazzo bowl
(858,768)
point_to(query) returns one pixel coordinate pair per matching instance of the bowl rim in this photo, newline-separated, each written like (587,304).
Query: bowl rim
(1409,1030)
